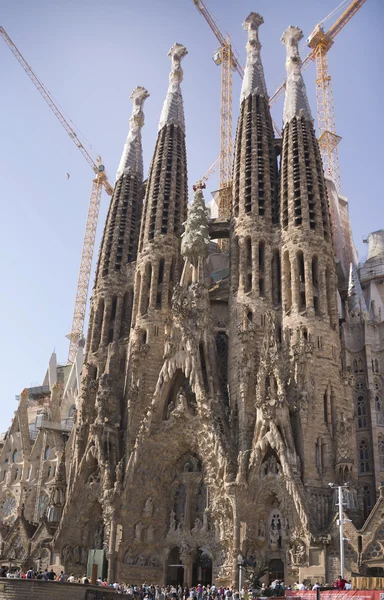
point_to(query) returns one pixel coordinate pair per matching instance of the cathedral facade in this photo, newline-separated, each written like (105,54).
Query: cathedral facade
(220,393)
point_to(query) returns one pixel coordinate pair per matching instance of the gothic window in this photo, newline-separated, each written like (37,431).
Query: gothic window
(8,508)
(126,313)
(360,365)
(375,365)
(16,474)
(276,278)
(367,503)
(364,457)
(379,410)
(361,412)
(47,452)
(42,505)
(261,268)
(248,264)
(381,451)
(222,354)
(355,369)
(287,282)
(301,280)
(71,411)
(15,456)
(359,383)
(112,318)
(160,280)
(179,504)
(315,284)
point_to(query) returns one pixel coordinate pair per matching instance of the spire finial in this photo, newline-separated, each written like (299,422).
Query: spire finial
(254,81)
(195,239)
(173,111)
(296,101)
(132,158)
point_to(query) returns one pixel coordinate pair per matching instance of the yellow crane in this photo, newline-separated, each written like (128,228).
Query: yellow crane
(99,182)
(320,42)
(225,57)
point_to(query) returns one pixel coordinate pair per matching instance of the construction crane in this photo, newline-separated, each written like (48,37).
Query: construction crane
(98,183)
(320,43)
(225,57)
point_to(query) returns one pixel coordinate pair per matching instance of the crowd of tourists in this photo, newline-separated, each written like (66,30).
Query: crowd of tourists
(169,592)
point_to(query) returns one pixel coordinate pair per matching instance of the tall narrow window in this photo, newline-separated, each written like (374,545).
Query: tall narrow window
(379,410)
(315,284)
(363,457)
(248,264)
(328,291)
(276,278)
(112,320)
(262,268)
(301,280)
(127,313)
(325,403)
(171,281)
(287,282)
(381,451)
(146,288)
(160,280)
(361,412)
(98,326)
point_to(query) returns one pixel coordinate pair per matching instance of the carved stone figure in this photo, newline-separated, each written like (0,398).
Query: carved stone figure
(150,534)
(67,555)
(140,561)
(129,558)
(148,507)
(298,553)
(138,531)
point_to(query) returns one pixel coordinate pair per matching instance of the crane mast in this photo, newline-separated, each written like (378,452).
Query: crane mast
(225,57)
(320,42)
(98,183)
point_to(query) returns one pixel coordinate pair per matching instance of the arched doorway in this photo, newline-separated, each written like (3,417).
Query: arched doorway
(276,569)
(175,570)
(202,569)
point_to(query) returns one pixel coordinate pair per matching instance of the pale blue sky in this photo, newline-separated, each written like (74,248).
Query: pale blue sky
(91,54)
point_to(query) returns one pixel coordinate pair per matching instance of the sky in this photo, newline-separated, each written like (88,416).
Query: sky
(91,54)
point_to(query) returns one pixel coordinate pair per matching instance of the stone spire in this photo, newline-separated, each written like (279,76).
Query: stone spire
(253,81)
(296,102)
(132,158)
(173,110)
(195,240)
(356,301)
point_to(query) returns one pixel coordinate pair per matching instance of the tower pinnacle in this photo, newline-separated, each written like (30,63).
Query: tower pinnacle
(253,82)
(132,157)
(296,102)
(173,111)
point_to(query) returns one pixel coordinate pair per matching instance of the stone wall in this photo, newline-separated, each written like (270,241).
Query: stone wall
(19,589)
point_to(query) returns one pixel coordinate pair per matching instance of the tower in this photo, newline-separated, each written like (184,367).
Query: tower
(158,261)
(97,447)
(322,420)
(255,257)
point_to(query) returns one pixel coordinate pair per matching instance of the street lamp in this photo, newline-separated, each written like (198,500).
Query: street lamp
(240,562)
(341,522)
